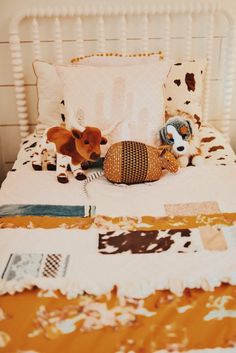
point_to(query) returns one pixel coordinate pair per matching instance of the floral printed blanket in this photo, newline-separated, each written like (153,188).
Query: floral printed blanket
(103,319)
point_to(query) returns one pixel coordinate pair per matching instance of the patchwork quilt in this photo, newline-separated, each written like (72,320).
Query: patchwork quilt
(142,268)
(89,308)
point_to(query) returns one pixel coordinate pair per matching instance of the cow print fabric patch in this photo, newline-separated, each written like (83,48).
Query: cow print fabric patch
(31,146)
(190,81)
(215,148)
(184,85)
(207,139)
(177,82)
(147,242)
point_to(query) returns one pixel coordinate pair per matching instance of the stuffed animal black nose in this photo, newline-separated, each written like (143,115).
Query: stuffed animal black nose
(180,148)
(94,156)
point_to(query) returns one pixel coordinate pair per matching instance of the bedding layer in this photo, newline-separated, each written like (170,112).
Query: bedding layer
(173,192)
(214,149)
(159,323)
(131,259)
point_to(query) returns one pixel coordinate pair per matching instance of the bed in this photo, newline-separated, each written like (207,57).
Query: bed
(147,267)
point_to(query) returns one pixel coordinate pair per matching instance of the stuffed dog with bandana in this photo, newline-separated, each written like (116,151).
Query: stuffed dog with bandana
(181,133)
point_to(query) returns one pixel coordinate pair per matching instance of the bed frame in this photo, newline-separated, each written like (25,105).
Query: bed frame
(156,26)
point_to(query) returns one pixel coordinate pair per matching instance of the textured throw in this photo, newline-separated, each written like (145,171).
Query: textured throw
(137,255)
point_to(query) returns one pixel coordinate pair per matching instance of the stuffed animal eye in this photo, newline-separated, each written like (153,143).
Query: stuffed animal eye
(184,136)
(171,140)
(86,142)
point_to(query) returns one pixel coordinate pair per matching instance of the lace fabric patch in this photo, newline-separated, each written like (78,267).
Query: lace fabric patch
(20,266)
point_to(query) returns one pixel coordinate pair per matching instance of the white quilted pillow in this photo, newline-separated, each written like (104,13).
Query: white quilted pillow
(50,91)
(50,94)
(133,94)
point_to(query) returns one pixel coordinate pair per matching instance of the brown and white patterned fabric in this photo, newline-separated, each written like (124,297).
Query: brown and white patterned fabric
(214,149)
(148,241)
(184,87)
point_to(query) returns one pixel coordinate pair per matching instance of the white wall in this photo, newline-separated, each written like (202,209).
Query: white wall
(9,134)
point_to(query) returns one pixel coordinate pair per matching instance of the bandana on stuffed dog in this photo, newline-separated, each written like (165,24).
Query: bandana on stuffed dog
(180,133)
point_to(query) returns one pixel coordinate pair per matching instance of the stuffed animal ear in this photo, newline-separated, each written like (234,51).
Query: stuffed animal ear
(167,116)
(162,149)
(190,127)
(76,133)
(103,141)
(166,137)
(163,133)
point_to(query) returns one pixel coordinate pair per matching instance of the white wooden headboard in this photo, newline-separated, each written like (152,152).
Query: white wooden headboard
(180,31)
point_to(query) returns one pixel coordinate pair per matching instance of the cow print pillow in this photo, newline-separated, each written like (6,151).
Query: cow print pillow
(184,88)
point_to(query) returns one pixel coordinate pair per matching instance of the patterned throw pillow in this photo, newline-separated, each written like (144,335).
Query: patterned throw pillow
(184,88)
(130,94)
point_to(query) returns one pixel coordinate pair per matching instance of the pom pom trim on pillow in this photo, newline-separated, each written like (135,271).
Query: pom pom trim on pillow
(80,58)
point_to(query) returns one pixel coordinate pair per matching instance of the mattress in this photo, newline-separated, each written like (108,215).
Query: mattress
(140,268)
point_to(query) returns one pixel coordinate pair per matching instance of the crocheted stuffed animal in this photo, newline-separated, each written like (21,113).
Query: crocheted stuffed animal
(132,162)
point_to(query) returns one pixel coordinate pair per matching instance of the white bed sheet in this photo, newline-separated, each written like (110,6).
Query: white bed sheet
(189,185)
(214,180)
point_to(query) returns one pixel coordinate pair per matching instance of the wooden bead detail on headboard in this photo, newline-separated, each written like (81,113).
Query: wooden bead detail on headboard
(79,37)
(36,40)
(19,82)
(101,35)
(189,33)
(123,35)
(229,78)
(211,27)
(58,41)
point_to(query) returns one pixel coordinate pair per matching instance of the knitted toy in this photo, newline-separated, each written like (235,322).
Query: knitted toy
(132,162)
(182,135)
